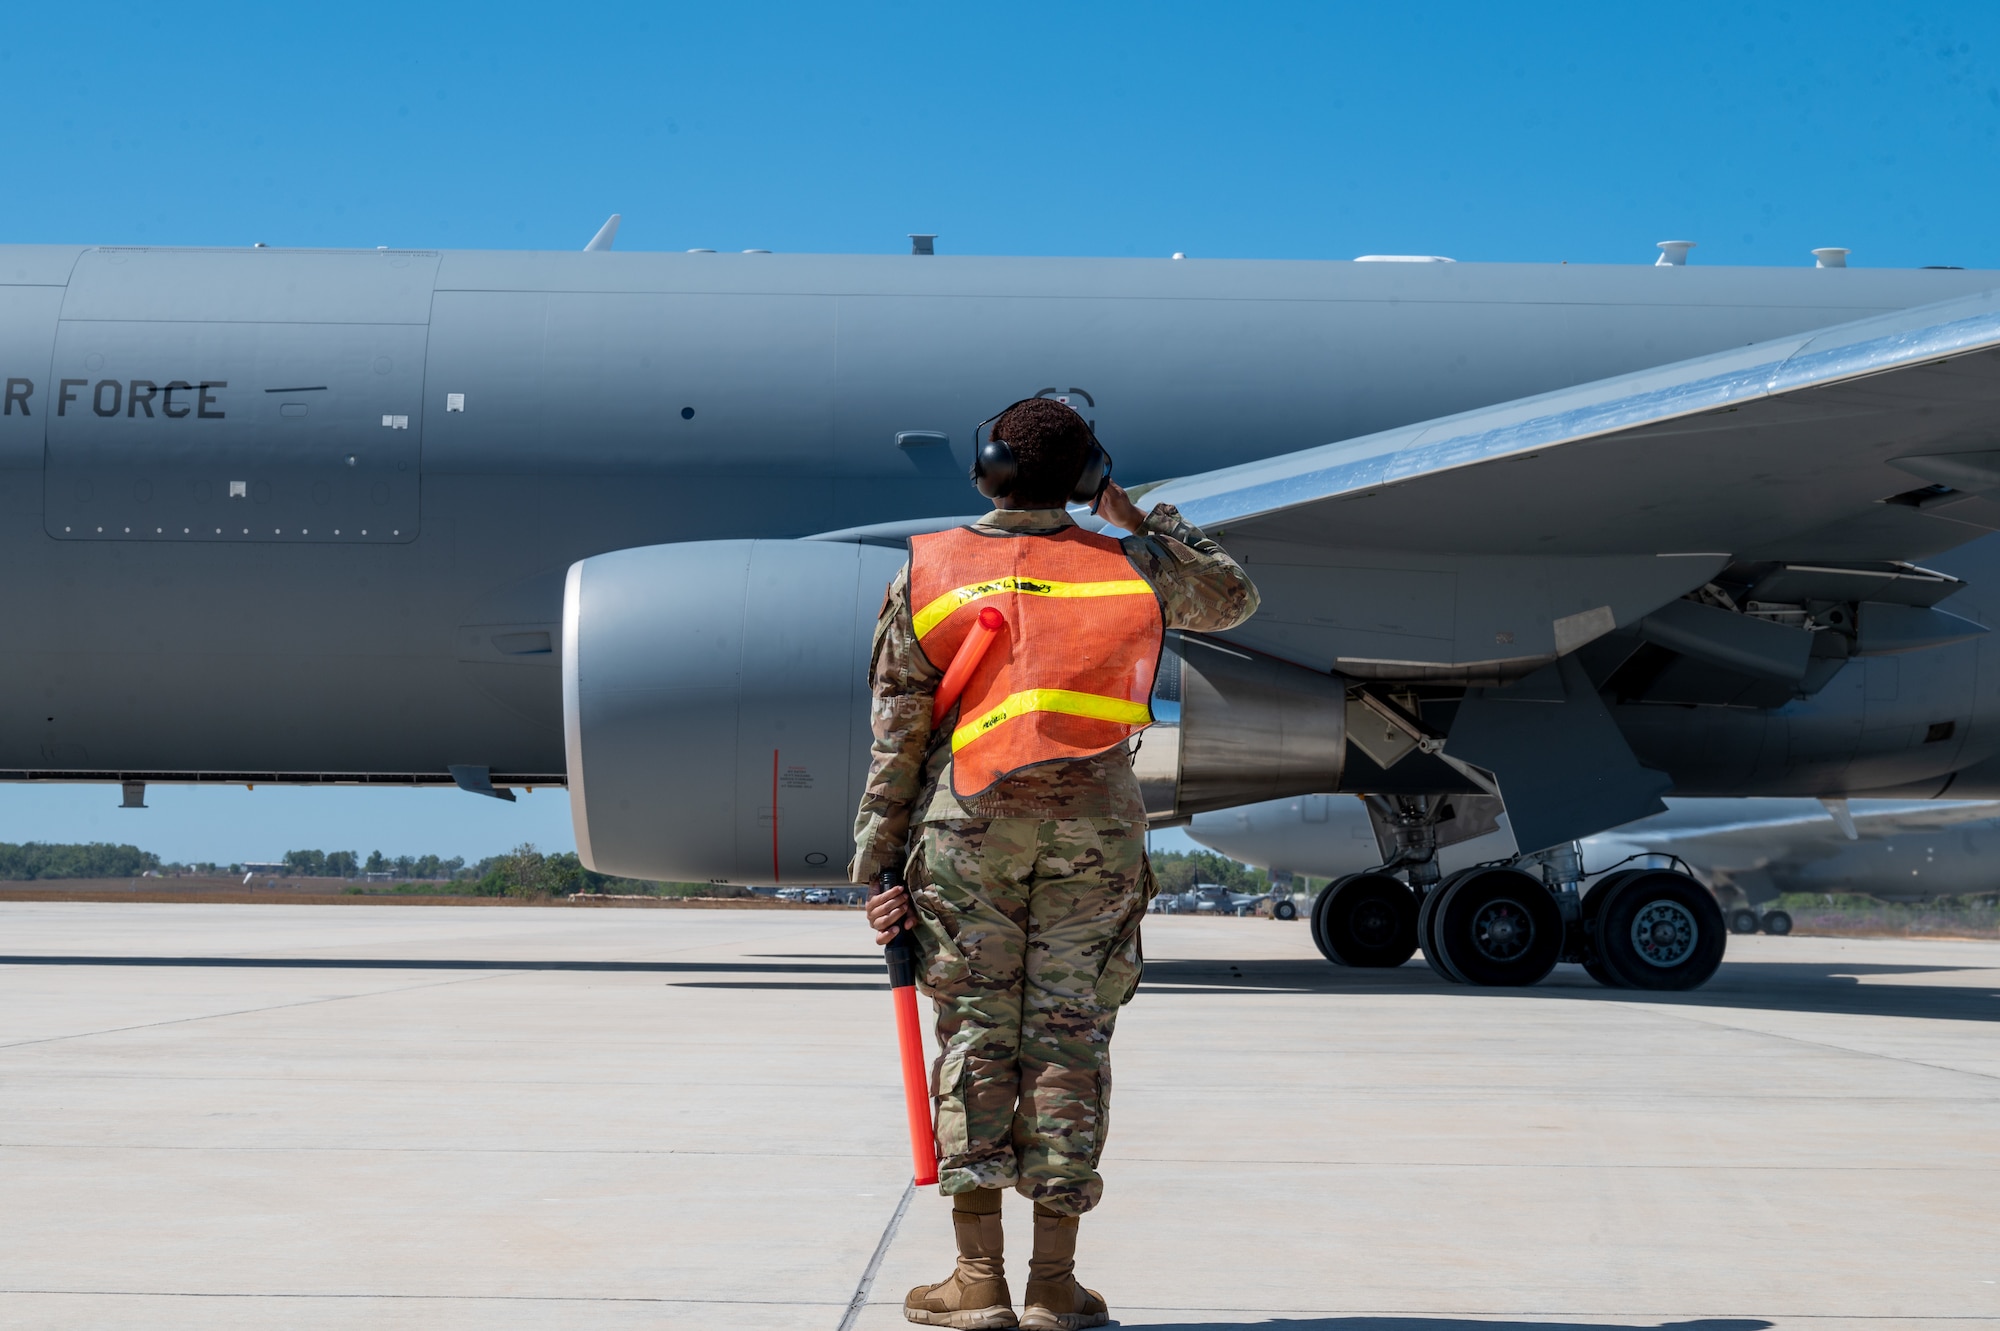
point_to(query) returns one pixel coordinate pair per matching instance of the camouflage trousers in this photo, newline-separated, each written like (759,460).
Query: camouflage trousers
(1028,940)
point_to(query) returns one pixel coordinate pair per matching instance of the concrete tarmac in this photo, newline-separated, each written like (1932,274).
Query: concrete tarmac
(314,1117)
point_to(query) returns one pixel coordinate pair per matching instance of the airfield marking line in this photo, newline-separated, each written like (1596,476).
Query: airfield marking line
(817,1303)
(867,1282)
(1504,1320)
(468,1150)
(1955,1168)
(435,1298)
(251,1011)
(1135,1307)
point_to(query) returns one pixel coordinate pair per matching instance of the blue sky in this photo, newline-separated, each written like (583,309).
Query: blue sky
(1578,132)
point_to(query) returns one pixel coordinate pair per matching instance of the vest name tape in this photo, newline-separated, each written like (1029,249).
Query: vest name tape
(1095,706)
(941,607)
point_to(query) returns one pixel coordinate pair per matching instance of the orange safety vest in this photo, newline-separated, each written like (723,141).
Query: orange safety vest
(1073,674)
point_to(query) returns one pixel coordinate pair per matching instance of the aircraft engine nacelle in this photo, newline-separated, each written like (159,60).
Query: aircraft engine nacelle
(1236,727)
(715,707)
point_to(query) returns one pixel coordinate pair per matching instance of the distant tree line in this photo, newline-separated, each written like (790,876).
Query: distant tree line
(1179,870)
(347,864)
(522,872)
(99,859)
(527,872)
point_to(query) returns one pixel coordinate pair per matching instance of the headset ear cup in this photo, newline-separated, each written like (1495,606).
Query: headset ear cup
(994,468)
(1095,476)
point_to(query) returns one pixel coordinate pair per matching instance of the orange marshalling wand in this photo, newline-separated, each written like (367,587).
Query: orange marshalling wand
(970,653)
(910,1042)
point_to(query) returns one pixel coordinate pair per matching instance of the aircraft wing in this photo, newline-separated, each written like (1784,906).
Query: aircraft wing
(1783,449)
(1485,549)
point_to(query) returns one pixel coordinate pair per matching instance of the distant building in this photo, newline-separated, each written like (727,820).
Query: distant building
(264,866)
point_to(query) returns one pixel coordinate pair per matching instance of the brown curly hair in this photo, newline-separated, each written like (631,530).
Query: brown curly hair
(1050,443)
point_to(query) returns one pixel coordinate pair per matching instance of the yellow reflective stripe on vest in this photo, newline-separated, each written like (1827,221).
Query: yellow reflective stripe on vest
(941,607)
(1096,706)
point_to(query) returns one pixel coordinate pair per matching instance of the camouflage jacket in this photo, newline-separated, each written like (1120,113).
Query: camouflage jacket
(909,772)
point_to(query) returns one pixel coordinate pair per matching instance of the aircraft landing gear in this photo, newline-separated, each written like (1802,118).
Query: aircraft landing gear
(1427,935)
(1777,922)
(1495,927)
(1743,920)
(1370,919)
(1652,929)
(1285,909)
(1366,919)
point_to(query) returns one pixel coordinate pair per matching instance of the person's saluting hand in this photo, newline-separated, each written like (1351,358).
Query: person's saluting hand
(1116,507)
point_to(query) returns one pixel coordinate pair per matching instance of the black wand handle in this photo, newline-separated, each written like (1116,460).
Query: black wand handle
(899,952)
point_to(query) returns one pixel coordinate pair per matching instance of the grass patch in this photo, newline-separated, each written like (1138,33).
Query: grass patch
(1864,917)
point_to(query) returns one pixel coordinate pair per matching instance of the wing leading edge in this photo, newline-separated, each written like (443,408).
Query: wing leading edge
(1789,443)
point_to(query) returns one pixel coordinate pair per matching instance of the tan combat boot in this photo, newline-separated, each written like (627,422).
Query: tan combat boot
(1054,1301)
(974,1297)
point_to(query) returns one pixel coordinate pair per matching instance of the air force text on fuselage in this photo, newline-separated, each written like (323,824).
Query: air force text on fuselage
(134,396)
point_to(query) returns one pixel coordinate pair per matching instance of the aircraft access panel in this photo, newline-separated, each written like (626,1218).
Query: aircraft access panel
(188,404)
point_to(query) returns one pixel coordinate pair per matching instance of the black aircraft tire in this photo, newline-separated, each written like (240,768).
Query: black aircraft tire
(1743,920)
(1370,921)
(1316,922)
(1499,928)
(1285,910)
(1427,931)
(1777,923)
(1661,930)
(1595,964)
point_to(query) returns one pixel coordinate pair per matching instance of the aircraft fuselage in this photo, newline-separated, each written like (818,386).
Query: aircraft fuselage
(305,514)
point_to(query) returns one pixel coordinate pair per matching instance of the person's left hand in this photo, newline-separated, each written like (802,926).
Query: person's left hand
(886,912)
(1116,507)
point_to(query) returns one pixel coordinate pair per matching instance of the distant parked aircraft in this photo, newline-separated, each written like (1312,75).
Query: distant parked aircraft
(1748,850)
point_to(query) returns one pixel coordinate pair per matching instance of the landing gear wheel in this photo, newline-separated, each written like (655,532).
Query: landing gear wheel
(1593,966)
(1777,922)
(1660,930)
(1285,909)
(1499,927)
(1593,954)
(1743,921)
(1315,917)
(1427,932)
(1367,919)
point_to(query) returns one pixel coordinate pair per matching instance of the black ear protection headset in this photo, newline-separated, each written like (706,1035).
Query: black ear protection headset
(994,467)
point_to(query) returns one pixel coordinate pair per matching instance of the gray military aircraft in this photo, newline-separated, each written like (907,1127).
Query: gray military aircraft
(623,521)
(1748,851)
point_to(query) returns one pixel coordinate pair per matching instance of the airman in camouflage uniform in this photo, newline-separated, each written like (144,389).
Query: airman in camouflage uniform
(1028,899)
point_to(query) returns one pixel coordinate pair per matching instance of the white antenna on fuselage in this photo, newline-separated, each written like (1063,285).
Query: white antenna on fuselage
(605,235)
